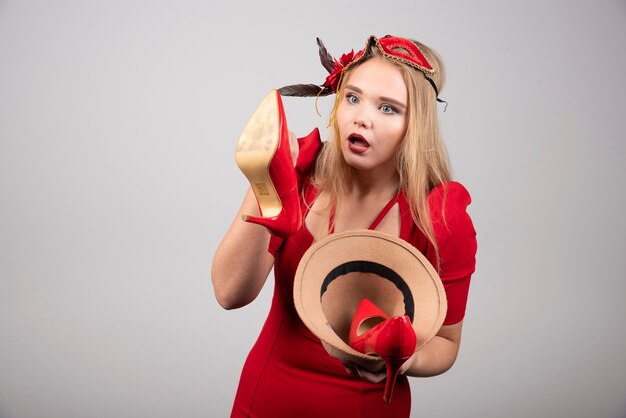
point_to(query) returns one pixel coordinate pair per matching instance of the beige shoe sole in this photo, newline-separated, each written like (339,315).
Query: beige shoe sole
(256,148)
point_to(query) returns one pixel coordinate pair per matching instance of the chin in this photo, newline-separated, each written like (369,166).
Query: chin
(356,163)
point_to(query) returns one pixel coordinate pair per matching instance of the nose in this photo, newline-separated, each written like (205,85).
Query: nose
(363,119)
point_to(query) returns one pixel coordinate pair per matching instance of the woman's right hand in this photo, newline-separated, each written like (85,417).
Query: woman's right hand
(294,147)
(376,374)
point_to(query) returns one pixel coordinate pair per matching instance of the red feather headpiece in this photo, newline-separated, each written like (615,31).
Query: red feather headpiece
(392,47)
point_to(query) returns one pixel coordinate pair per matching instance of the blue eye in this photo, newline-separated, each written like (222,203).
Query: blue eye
(388,109)
(351,98)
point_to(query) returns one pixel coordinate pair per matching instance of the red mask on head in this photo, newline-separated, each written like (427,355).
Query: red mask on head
(392,47)
(398,49)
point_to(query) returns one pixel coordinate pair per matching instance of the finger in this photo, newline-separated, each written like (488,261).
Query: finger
(374,366)
(294,146)
(407,364)
(350,369)
(374,377)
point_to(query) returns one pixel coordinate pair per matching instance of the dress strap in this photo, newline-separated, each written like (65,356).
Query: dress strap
(384,212)
(374,225)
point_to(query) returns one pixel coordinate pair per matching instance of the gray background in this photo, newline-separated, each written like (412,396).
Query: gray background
(118,122)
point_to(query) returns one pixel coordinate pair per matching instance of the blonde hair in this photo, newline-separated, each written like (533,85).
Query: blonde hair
(422,162)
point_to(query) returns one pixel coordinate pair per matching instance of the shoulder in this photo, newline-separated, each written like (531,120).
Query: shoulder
(452,225)
(448,199)
(309,148)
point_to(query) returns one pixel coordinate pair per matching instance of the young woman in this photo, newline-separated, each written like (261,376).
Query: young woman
(384,168)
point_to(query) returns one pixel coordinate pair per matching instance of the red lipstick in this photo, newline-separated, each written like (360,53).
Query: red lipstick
(357,144)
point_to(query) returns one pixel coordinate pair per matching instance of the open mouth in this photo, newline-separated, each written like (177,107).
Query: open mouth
(358,141)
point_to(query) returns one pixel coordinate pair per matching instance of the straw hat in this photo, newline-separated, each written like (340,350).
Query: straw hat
(337,272)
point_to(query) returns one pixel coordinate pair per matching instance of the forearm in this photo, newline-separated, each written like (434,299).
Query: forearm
(241,263)
(438,355)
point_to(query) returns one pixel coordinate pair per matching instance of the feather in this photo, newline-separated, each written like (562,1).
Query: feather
(304,90)
(327,60)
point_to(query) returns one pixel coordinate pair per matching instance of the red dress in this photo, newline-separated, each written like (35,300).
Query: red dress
(288,373)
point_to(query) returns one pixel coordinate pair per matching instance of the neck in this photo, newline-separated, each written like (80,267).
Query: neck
(374,183)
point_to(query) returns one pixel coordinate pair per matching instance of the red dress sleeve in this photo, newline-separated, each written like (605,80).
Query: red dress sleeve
(309,146)
(456,241)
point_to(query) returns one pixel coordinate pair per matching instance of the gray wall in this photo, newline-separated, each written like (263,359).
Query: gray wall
(118,122)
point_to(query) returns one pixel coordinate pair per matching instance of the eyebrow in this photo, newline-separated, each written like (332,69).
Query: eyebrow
(382,98)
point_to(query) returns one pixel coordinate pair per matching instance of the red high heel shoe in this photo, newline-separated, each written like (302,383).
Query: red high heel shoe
(264,156)
(393,339)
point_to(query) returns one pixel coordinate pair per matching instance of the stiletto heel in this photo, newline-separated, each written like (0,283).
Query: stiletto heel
(392,339)
(264,156)
(393,369)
